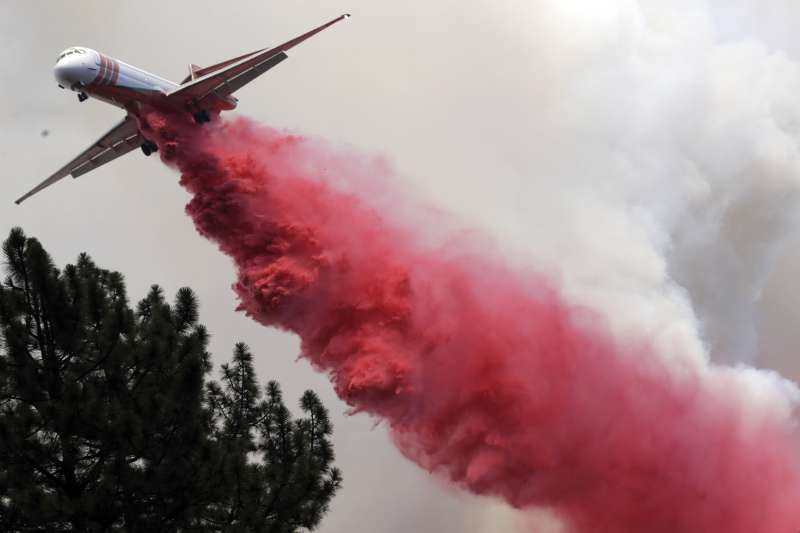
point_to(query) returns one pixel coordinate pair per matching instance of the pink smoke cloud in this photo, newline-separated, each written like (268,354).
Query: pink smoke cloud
(485,375)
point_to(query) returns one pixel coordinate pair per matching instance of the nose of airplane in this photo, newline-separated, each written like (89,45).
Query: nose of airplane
(73,70)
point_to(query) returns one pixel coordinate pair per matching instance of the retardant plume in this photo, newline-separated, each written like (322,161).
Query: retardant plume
(485,374)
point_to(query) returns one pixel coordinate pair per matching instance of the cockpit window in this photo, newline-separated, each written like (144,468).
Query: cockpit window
(68,52)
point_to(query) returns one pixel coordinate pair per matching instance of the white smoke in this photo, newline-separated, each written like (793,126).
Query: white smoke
(643,151)
(659,168)
(661,161)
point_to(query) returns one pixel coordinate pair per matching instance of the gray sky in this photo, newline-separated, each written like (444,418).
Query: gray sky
(644,153)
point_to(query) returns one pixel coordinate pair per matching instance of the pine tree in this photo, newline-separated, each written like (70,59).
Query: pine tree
(107,422)
(292,485)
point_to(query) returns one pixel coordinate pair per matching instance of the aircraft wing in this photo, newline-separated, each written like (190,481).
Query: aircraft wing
(120,140)
(224,78)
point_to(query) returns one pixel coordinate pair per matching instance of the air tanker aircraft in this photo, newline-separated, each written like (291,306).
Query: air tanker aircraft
(203,92)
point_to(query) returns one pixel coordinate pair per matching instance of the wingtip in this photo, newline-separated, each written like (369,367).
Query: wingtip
(346,15)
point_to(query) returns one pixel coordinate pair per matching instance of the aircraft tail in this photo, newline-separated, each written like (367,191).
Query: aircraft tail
(193,73)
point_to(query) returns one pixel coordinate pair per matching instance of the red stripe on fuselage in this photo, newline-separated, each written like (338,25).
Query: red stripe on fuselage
(106,63)
(99,79)
(107,78)
(102,73)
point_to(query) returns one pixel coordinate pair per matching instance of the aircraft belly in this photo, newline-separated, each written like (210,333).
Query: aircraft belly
(124,97)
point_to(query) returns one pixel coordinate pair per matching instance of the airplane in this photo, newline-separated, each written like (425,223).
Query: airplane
(205,91)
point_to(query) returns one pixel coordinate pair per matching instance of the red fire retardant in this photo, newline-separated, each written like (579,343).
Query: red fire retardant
(485,375)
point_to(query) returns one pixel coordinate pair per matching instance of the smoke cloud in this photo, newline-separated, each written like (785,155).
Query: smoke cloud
(671,130)
(486,374)
(641,154)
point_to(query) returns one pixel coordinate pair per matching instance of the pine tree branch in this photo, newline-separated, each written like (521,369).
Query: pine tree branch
(43,471)
(99,362)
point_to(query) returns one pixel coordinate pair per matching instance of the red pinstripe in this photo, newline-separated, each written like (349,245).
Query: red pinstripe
(106,70)
(102,70)
(108,73)
(99,76)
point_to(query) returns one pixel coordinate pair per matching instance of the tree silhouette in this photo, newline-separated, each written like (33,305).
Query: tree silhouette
(107,422)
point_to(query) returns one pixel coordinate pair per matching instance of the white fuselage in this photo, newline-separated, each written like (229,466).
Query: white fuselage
(91,73)
(85,70)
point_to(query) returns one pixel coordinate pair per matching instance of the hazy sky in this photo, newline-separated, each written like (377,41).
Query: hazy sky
(645,153)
